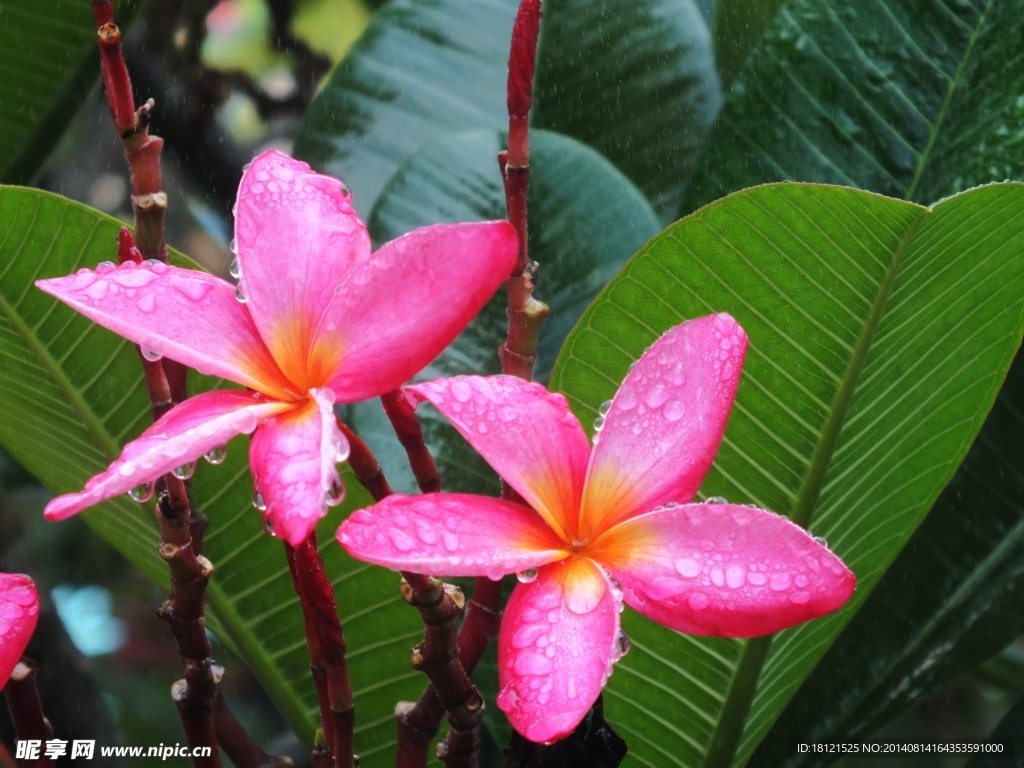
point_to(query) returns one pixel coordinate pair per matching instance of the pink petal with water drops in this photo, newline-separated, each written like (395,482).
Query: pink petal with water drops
(293,458)
(526,433)
(400,308)
(451,534)
(19,611)
(665,422)
(183,434)
(723,569)
(297,238)
(182,314)
(559,639)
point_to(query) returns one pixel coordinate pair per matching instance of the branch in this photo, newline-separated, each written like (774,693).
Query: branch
(410,434)
(326,645)
(235,740)
(525,313)
(365,465)
(26,711)
(143,154)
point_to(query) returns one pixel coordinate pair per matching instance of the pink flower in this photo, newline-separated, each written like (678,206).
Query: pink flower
(19,611)
(318,319)
(608,528)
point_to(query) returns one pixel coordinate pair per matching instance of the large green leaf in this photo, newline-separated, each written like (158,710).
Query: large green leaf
(880,332)
(49,61)
(585,218)
(635,80)
(951,600)
(71,394)
(917,101)
(909,99)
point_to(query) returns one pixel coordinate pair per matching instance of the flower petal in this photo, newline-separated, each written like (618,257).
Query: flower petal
(188,316)
(294,458)
(405,304)
(723,569)
(665,423)
(181,436)
(450,534)
(19,611)
(527,434)
(558,640)
(298,238)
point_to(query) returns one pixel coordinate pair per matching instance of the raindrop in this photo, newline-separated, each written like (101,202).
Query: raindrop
(345,191)
(235,270)
(672,505)
(150,355)
(632,366)
(240,296)
(106,265)
(336,493)
(268,526)
(599,423)
(259,502)
(342,454)
(717,500)
(141,493)
(527,576)
(605,407)
(821,540)
(622,645)
(246,167)
(152,262)
(233,245)
(184,472)
(217,454)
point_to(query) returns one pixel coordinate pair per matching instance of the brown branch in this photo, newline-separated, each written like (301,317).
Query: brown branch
(26,711)
(365,465)
(410,434)
(326,644)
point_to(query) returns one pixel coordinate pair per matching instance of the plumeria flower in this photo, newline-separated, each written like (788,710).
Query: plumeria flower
(608,525)
(318,319)
(19,611)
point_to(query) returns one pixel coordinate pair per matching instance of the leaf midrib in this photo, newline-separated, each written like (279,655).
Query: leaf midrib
(954,83)
(720,753)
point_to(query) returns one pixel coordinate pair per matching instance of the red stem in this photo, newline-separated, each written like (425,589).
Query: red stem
(327,646)
(26,711)
(410,434)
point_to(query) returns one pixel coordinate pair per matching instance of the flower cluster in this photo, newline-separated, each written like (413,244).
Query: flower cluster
(19,612)
(318,319)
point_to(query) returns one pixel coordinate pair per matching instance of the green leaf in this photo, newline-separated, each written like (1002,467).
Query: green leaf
(585,218)
(49,60)
(906,99)
(737,29)
(72,395)
(918,103)
(880,332)
(636,81)
(949,602)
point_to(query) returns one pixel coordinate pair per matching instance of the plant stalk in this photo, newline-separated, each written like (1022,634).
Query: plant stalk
(410,434)
(326,645)
(26,710)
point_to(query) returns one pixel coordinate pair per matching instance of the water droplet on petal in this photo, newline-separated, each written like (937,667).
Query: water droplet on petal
(622,646)
(153,262)
(141,493)
(345,191)
(150,355)
(235,270)
(605,407)
(184,472)
(105,266)
(821,540)
(268,526)
(599,423)
(336,493)
(699,601)
(632,366)
(240,296)
(259,502)
(799,598)
(525,577)
(403,541)
(674,410)
(233,247)
(716,500)
(217,454)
